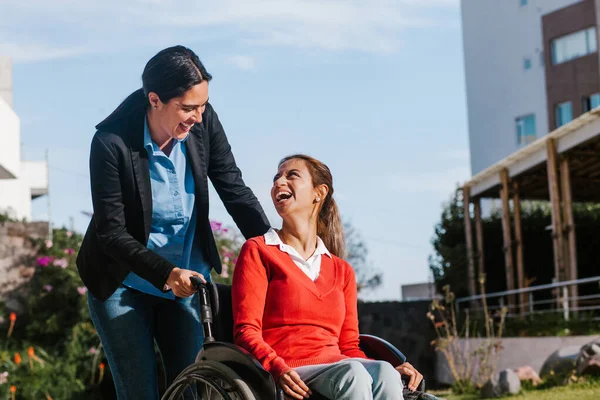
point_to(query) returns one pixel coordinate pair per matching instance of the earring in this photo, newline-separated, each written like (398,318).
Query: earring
(155,107)
(318,199)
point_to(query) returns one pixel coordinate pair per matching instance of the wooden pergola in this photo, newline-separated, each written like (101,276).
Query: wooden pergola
(562,167)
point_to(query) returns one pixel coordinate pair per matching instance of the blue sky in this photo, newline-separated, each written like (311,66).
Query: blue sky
(375,89)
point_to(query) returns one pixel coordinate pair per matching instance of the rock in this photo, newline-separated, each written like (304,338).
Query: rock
(527,373)
(561,361)
(501,384)
(588,362)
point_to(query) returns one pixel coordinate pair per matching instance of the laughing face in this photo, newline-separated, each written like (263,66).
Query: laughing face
(293,190)
(178,115)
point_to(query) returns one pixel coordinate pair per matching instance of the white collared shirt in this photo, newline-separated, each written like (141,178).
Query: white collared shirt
(310,267)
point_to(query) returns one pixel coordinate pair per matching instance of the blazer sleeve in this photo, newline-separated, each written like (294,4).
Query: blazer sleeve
(248,295)
(226,177)
(109,216)
(349,335)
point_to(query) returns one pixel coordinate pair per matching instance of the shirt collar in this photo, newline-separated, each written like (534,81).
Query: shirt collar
(149,144)
(273,239)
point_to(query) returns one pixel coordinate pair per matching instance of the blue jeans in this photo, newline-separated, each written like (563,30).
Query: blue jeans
(353,379)
(129,322)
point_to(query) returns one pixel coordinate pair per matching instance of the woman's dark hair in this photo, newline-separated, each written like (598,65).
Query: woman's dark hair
(170,73)
(329,224)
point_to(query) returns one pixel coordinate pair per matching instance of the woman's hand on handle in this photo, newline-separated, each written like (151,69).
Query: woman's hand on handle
(179,281)
(293,386)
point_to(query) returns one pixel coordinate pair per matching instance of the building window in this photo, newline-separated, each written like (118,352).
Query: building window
(523,3)
(591,102)
(527,63)
(525,129)
(563,113)
(574,45)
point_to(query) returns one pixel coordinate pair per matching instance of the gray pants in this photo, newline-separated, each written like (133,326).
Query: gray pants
(353,379)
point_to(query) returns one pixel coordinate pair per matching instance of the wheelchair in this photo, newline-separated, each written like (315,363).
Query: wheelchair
(224,371)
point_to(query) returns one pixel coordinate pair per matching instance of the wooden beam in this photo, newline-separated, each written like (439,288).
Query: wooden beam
(519,247)
(479,236)
(557,237)
(508,256)
(569,227)
(469,240)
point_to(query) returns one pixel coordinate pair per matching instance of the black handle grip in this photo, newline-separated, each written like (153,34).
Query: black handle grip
(196,281)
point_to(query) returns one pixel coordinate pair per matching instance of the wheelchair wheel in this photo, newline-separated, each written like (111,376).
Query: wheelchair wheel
(208,380)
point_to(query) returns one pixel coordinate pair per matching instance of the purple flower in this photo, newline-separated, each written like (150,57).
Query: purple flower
(48,288)
(215,226)
(61,262)
(69,251)
(44,261)
(82,290)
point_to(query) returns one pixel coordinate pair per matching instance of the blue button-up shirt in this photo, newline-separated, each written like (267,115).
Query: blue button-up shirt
(173,213)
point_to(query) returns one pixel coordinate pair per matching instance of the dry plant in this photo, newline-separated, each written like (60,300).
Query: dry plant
(471,362)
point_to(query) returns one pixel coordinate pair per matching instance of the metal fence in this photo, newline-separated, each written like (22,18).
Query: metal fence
(550,298)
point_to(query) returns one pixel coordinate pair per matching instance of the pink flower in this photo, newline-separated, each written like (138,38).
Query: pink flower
(82,290)
(69,234)
(93,350)
(225,272)
(235,261)
(48,243)
(48,288)
(225,259)
(3,378)
(61,262)
(69,251)
(215,226)
(224,230)
(44,261)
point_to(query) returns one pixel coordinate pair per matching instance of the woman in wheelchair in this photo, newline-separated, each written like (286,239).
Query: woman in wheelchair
(294,298)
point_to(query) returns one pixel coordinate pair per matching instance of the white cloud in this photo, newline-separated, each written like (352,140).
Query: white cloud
(242,62)
(103,26)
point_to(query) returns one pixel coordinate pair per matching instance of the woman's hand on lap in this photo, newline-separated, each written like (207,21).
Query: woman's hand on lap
(293,386)
(415,376)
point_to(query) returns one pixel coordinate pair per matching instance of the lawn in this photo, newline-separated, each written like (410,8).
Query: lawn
(582,391)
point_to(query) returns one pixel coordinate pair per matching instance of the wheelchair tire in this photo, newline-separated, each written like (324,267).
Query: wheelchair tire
(216,381)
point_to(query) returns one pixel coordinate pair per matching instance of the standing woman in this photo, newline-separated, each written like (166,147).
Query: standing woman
(149,164)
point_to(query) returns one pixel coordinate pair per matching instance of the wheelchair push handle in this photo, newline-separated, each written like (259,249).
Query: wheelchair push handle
(209,305)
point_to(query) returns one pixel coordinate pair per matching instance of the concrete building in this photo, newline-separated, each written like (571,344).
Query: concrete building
(419,292)
(530,66)
(20,180)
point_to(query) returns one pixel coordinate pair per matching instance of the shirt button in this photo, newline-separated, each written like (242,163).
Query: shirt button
(176,193)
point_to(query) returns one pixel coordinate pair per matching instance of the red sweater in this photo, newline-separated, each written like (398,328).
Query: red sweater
(286,320)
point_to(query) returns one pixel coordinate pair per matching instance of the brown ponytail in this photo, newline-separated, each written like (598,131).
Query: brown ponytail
(329,225)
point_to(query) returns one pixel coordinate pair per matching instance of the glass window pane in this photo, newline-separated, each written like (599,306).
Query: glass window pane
(564,113)
(525,127)
(574,45)
(592,40)
(594,100)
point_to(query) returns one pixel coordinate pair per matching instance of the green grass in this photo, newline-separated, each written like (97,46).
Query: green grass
(581,391)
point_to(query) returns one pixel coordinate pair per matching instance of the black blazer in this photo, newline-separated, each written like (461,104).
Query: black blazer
(116,239)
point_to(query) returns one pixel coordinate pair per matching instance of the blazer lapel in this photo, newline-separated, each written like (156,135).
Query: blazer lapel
(141,170)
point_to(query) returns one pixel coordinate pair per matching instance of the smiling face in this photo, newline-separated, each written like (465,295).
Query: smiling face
(293,190)
(176,117)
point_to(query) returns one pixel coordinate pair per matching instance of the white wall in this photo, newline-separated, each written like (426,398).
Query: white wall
(497,36)
(34,175)
(10,147)
(15,198)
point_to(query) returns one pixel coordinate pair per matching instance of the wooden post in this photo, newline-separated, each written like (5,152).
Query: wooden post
(519,247)
(557,237)
(469,240)
(571,248)
(508,256)
(479,235)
